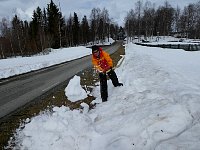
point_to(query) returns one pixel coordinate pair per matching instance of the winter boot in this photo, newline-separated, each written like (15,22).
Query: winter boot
(104,99)
(120,84)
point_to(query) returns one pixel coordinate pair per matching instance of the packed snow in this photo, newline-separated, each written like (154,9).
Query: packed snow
(157,108)
(74,91)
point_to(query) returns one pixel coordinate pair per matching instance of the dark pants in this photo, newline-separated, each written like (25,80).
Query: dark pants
(103,83)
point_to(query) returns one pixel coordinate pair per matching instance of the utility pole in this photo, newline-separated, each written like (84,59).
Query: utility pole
(2,51)
(59,26)
(128,33)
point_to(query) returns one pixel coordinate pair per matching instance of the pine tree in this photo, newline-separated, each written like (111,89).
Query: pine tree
(85,31)
(55,24)
(76,30)
(17,30)
(69,31)
(37,29)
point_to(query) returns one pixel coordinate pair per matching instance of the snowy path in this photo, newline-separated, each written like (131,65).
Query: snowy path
(157,108)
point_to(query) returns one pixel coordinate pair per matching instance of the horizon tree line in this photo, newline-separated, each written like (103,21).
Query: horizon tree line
(147,20)
(50,29)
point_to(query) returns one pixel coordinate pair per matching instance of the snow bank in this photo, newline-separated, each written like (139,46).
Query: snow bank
(15,66)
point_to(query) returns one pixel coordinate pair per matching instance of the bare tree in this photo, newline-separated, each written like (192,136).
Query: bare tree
(138,8)
(191,20)
(177,19)
(148,18)
(197,24)
(94,22)
(106,23)
(17,30)
(6,32)
(131,24)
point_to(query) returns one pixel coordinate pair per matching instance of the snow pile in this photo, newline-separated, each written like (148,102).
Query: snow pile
(157,108)
(74,91)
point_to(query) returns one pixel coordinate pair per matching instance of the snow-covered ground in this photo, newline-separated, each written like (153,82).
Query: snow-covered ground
(155,40)
(157,108)
(15,66)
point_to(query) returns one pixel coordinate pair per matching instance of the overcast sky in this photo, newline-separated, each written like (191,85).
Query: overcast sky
(117,8)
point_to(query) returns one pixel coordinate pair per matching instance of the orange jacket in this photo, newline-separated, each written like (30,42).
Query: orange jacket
(103,63)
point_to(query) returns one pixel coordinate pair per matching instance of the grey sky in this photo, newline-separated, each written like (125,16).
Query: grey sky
(117,8)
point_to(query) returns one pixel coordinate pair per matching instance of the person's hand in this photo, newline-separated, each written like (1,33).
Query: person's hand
(104,71)
(108,70)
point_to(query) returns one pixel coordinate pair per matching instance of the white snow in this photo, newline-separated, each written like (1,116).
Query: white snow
(74,91)
(107,41)
(166,40)
(157,108)
(14,66)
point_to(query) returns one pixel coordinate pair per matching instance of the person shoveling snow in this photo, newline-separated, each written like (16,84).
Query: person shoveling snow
(103,64)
